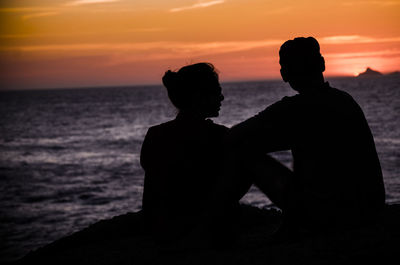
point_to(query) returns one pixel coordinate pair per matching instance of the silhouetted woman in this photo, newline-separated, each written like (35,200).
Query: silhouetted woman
(181,158)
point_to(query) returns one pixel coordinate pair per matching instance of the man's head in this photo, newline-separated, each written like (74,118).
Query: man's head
(301,63)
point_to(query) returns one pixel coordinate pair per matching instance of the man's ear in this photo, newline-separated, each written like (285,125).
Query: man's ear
(284,75)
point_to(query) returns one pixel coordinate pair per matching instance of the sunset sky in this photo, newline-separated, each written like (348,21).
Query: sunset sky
(77,43)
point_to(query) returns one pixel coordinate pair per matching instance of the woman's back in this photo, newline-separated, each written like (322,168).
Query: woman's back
(181,159)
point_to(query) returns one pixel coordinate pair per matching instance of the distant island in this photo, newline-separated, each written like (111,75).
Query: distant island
(373,73)
(396,73)
(369,72)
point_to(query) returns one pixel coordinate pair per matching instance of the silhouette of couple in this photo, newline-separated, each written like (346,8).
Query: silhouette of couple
(193,165)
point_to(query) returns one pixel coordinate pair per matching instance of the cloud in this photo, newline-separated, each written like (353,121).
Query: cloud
(42,14)
(75,34)
(146,29)
(15,36)
(32,11)
(194,47)
(166,50)
(145,51)
(379,3)
(86,2)
(279,11)
(25,9)
(384,53)
(349,39)
(175,47)
(200,4)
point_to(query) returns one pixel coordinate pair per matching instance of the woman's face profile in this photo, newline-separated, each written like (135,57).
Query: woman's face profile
(209,98)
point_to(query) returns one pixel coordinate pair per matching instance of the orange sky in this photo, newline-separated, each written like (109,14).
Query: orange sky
(47,43)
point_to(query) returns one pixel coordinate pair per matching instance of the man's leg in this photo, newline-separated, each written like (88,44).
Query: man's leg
(241,170)
(272,178)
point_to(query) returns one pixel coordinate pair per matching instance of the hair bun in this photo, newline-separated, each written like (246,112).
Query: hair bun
(184,85)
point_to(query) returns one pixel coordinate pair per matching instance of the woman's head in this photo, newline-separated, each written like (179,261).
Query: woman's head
(195,88)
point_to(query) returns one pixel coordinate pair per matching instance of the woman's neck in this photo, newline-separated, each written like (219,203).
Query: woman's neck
(191,115)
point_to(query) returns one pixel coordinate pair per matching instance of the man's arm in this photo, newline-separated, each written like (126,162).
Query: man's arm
(245,160)
(268,131)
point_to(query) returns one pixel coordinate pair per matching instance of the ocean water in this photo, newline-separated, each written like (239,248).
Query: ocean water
(69,158)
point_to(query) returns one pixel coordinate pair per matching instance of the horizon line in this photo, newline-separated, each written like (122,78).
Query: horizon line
(149,84)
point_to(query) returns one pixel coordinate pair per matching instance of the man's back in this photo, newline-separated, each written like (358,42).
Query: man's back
(335,162)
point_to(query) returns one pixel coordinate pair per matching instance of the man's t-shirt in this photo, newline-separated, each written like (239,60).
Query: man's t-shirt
(336,166)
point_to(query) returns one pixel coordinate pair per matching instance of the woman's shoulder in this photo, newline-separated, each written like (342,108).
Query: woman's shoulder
(155,138)
(162,126)
(174,128)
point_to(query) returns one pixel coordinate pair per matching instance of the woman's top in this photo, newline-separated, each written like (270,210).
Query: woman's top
(182,160)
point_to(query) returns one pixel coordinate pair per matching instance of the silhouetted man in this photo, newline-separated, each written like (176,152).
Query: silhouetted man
(337,178)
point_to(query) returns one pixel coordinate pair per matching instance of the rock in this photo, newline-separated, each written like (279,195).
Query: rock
(369,72)
(122,240)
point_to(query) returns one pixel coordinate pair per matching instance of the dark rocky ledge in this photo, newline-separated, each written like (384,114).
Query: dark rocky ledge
(122,240)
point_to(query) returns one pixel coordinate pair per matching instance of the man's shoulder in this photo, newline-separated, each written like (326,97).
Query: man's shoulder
(343,97)
(337,90)
(285,103)
(279,112)
(326,93)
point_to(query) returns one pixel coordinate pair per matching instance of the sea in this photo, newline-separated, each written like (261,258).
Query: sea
(70,157)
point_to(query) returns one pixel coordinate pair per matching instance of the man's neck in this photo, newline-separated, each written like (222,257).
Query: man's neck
(312,84)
